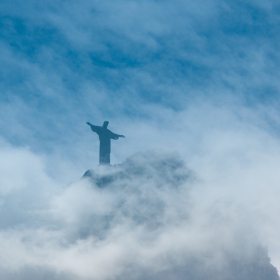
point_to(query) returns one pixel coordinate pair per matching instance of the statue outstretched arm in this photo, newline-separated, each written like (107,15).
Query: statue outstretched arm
(115,136)
(93,127)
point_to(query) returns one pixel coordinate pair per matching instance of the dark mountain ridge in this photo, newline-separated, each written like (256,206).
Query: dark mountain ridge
(152,192)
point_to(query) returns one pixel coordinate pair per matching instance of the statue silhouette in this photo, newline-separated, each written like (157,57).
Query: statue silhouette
(105,136)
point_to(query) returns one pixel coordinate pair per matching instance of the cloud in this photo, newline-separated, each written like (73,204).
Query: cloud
(66,63)
(197,78)
(142,219)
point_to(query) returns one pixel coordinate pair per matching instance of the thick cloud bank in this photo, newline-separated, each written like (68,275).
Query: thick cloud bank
(136,220)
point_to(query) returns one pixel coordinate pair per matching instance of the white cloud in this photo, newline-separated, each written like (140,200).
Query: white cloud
(186,61)
(147,220)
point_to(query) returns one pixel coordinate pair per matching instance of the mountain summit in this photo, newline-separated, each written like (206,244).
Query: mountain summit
(145,216)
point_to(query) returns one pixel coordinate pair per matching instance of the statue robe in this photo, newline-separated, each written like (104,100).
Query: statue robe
(105,136)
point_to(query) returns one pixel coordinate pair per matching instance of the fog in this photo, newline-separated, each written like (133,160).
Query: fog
(194,88)
(151,217)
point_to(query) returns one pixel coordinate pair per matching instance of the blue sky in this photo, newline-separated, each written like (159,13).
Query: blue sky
(200,78)
(65,62)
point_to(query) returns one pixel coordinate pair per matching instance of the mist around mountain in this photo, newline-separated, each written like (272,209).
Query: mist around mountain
(135,220)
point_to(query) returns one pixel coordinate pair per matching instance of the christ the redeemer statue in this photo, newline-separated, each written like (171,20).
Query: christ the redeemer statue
(105,136)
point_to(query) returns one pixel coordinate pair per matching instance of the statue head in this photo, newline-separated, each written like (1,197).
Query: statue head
(105,124)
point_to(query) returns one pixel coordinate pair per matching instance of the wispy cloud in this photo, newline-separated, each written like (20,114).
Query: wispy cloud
(153,218)
(198,78)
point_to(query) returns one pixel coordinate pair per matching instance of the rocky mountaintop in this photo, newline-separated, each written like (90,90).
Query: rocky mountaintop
(149,204)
